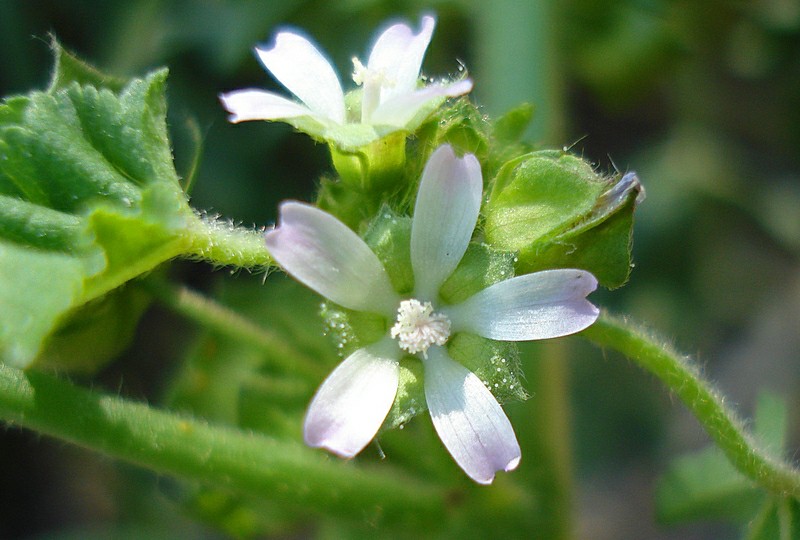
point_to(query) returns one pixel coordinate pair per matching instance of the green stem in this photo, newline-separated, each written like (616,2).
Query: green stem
(519,61)
(552,405)
(214,316)
(281,471)
(543,428)
(223,243)
(683,378)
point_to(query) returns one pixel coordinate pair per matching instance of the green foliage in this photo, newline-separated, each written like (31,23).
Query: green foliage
(236,382)
(780,518)
(705,485)
(660,84)
(69,69)
(88,200)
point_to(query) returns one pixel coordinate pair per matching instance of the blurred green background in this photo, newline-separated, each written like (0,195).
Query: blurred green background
(701,98)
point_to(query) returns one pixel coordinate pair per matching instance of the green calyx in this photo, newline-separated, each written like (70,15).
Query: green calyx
(555,211)
(375,167)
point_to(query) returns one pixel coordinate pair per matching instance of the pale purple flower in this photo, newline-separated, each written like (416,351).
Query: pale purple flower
(392,98)
(352,403)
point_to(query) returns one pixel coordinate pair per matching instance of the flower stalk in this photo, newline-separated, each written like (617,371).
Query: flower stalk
(683,378)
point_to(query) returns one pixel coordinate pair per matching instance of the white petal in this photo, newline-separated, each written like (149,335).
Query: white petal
(252,104)
(325,255)
(468,419)
(399,111)
(541,305)
(353,402)
(305,72)
(398,54)
(445,214)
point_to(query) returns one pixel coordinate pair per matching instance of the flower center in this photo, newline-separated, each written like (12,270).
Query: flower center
(418,327)
(362,75)
(372,81)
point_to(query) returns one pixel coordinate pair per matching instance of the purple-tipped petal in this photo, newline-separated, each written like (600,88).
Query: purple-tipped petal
(353,401)
(297,64)
(397,55)
(253,104)
(541,305)
(468,419)
(401,109)
(325,255)
(445,214)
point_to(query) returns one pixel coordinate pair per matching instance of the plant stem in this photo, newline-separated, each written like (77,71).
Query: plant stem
(683,378)
(215,316)
(223,243)
(281,471)
(545,437)
(554,420)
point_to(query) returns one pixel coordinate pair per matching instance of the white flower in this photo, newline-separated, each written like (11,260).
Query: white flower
(352,403)
(391,99)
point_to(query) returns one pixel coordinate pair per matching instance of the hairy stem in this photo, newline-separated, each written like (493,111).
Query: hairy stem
(219,318)
(683,378)
(225,244)
(282,471)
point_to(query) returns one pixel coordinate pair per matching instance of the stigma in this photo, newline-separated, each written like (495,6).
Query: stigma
(418,327)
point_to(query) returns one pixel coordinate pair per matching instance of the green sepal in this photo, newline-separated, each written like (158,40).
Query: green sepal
(460,124)
(375,167)
(350,206)
(556,212)
(89,199)
(496,363)
(389,236)
(510,127)
(507,137)
(480,267)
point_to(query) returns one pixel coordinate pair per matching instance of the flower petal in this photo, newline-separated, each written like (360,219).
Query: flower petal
(397,55)
(445,214)
(468,419)
(305,72)
(252,104)
(400,110)
(352,403)
(325,255)
(541,305)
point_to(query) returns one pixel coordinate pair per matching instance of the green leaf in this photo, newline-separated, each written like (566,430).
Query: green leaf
(705,485)
(778,519)
(89,199)
(556,212)
(771,422)
(96,332)
(69,69)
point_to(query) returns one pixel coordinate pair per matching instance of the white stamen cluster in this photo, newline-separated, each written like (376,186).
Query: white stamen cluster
(418,327)
(363,75)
